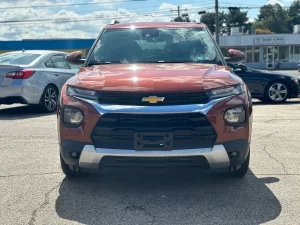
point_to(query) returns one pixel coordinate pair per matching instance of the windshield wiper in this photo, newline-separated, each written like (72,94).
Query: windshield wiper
(102,63)
(175,61)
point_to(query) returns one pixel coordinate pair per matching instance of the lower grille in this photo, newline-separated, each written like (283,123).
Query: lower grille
(198,162)
(153,132)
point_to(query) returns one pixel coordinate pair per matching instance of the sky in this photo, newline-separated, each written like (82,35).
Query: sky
(26,19)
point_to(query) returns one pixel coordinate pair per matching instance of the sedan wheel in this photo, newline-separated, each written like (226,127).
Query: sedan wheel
(277,92)
(49,99)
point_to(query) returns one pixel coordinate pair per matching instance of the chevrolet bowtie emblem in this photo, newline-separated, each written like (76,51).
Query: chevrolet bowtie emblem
(153,99)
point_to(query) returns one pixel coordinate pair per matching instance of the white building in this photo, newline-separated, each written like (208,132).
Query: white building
(272,51)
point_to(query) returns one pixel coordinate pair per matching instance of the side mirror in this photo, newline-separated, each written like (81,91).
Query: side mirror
(235,56)
(75,58)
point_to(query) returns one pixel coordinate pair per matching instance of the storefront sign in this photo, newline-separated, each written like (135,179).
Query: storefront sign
(269,40)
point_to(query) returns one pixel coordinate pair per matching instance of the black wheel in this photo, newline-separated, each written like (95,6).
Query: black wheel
(70,173)
(277,92)
(49,99)
(242,171)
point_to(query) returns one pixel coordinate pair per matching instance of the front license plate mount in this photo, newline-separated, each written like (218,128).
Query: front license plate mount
(153,141)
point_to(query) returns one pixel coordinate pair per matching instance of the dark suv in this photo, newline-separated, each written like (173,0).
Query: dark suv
(155,95)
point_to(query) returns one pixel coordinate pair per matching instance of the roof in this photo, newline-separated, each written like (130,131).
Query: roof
(41,52)
(155,25)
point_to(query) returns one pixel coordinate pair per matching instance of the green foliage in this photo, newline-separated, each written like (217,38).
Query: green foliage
(209,20)
(294,14)
(182,19)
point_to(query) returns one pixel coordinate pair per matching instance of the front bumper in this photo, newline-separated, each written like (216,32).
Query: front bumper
(218,157)
(91,155)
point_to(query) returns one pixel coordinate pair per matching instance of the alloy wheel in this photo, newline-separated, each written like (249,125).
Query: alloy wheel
(278,92)
(50,99)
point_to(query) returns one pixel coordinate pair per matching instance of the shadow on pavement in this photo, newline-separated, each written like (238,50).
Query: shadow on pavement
(167,199)
(21,112)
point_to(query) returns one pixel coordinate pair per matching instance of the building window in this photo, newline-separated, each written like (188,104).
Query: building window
(249,55)
(256,54)
(284,54)
(296,54)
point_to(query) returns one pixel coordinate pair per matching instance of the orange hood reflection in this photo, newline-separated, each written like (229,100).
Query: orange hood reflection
(154,77)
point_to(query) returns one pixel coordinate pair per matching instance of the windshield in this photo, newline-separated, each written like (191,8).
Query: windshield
(152,45)
(17,58)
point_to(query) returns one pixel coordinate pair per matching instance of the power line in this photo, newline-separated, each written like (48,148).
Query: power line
(67,19)
(27,22)
(72,4)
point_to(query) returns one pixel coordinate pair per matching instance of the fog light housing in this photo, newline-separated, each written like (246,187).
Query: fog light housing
(72,116)
(235,115)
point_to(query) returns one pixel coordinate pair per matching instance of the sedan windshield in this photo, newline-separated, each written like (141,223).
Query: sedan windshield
(19,58)
(155,45)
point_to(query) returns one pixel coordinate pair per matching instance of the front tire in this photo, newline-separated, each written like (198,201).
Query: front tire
(67,170)
(242,171)
(49,99)
(277,92)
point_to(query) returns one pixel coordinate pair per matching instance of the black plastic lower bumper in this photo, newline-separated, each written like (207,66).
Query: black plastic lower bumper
(240,147)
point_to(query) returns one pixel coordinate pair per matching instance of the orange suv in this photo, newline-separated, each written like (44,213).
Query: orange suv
(155,95)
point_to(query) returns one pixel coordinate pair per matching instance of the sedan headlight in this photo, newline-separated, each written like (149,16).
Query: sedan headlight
(225,92)
(235,115)
(295,79)
(82,93)
(72,116)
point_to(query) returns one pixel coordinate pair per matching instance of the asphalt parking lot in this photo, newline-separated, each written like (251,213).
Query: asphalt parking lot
(33,189)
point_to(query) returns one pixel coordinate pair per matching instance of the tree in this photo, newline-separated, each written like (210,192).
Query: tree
(237,18)
(273,17)
(182,19)
(263,31)
(209,20)
(294,13)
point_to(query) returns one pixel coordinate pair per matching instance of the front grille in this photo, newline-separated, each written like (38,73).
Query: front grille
(168,131)
(128,98)
(199,162)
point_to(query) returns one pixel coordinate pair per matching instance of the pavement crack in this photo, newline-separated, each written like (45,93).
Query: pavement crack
(266,136)
(28,174)
(283,166)
(46,202)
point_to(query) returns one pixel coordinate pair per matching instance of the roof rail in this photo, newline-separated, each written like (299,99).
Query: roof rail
(113,22)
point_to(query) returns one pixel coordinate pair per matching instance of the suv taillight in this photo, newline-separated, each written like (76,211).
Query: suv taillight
(23,74)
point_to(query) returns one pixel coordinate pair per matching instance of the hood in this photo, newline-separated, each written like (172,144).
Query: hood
(154,77)
(272,72)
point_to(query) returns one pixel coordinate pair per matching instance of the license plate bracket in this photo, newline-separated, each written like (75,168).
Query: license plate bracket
(153,141)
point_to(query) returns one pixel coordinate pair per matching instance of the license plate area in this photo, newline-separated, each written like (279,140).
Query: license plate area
(153,141)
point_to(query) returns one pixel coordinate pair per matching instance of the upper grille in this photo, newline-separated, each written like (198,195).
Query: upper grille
(184,130)
(128,98)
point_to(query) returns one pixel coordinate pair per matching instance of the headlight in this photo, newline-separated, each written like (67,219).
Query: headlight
(224,92)
(82,93)
(72,116)
(235,115)
(295,79)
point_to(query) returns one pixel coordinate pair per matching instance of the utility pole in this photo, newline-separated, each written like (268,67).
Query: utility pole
(178,10)
(217,20)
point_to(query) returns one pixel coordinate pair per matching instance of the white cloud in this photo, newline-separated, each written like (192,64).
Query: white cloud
(251,20)
(273,2)
(94,21)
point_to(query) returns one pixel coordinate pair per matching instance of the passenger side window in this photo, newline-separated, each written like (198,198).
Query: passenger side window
(57,61)
(49,63)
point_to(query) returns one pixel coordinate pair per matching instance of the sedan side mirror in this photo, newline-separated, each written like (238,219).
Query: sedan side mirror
(235,56)
(75,58)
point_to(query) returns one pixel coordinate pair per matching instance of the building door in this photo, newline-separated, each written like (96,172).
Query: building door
(270,57)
